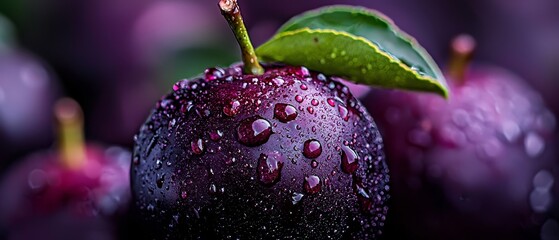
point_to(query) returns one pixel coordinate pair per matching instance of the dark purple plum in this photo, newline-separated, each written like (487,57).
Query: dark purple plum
(235,155)
(253,152)
(78,192)
(476,166)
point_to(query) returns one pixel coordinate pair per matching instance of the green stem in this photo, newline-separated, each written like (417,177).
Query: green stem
(230,10)
(71,143)
(462,48)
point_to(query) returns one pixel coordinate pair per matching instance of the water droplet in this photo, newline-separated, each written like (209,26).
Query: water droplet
(197,146)
(540,200)
(312,148)
(310,110)
(511,130)
(202,111)
(160,180)
(350,160)
(362,196)
(331,102)
(543,180)
(460,117)
(278,81)
(213,188)
(361,191)
(298,98)
(285,112)
(158,164)
(216,135)
(302,72)
(214,73)
(314,102)
(232,108)
(296,198)
(152,144)
(230,161)
(314,163)
(254,131)
(344,113)
(186,107)
(533,144)
(304,86)
(269,168)
(312,184)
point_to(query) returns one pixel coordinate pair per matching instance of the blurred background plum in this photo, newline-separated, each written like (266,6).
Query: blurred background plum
(117,57)
(78,190)
(27,90)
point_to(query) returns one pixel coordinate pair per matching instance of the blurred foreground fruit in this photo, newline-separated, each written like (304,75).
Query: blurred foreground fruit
(477,166)
(77,192)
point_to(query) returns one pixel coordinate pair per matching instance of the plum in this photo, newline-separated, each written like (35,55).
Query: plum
(473,167)
(286,153)
(255,152)
(74,193)
(27,90)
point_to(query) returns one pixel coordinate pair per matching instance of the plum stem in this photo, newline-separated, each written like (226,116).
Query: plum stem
(462,48)
(232,13)
(71,143)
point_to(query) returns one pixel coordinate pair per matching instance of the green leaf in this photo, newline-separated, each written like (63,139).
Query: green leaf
(359,44)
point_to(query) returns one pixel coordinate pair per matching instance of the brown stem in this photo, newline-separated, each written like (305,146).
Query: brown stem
(462,48)
(71,143)
(230,10)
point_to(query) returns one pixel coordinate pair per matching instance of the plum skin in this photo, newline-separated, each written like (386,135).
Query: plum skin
(198,169)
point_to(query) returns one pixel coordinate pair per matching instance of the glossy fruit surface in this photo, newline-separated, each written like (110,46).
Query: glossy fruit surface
(477,166)
(287,154)
(41,198)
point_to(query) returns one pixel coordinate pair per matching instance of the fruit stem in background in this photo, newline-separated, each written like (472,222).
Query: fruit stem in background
(462,48)
(230,10)
(71,143)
